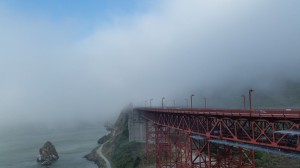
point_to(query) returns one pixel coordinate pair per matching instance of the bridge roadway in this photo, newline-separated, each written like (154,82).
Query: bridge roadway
(262,113)
(219,137)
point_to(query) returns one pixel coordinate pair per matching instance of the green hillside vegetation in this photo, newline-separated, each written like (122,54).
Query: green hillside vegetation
(121,152)
(268,160)
(286,95)
(280,95)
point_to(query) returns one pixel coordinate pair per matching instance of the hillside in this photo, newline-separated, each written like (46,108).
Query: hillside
(279,95)
(121,152)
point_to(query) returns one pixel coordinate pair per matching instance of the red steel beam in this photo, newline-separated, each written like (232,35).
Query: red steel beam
(261,113)
(169,133)
(233,125)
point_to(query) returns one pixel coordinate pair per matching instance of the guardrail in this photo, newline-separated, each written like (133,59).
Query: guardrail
(260,113)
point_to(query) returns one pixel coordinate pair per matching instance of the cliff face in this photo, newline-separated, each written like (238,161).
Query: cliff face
(121,152)
(94,157)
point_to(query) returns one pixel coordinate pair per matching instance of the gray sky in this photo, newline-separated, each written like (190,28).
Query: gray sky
(172,49)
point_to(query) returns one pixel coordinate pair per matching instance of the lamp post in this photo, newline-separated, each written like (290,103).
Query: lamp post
(250,98)
(187,103)
(150,102)
(244,100)
(204,102)
(192,100)
(174,102)
(162,102)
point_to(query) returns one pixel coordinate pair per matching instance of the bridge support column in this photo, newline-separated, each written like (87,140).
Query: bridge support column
(183,147)
(169,147)
(163,147)
(173,148)
(150,141)
(178,147)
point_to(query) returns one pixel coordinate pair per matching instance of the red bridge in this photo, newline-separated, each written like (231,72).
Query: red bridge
(194,138)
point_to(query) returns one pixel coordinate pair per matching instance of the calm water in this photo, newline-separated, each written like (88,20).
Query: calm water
(20,148)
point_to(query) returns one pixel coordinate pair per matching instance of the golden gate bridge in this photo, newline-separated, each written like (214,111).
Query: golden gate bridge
(215,138)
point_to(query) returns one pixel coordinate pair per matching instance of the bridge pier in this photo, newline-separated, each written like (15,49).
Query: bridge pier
(150,141)
(174,148)
(136,127)
(169,147)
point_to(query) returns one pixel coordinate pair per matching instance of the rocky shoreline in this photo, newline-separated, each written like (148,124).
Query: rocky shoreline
(94,157)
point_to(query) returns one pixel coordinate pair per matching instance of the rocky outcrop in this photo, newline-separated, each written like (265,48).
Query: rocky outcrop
(47,154)
(94,157)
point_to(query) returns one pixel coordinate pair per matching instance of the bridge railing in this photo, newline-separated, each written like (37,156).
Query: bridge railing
(261,113)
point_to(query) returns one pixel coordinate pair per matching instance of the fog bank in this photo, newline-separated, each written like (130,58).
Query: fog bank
(174,49)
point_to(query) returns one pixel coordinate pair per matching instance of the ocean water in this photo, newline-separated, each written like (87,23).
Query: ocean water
(19,148)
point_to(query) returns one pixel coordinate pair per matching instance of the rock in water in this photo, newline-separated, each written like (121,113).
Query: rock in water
(47,154)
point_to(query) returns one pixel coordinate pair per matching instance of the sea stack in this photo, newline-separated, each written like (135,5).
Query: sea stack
(47,154)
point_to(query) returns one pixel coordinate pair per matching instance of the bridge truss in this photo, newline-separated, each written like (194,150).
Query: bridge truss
(212,138)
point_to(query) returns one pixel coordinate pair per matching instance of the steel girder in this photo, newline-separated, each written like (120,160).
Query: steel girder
(251,130)
(173,137)
(174,148)
(169,148)
(150,141)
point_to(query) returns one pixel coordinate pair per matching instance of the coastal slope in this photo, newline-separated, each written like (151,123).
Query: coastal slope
(119,150)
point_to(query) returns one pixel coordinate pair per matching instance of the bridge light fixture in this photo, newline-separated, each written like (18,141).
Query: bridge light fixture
(244,101)
(150,102)
(187,103)
(250,98)
(162,102)
(192,100)
(204,102)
